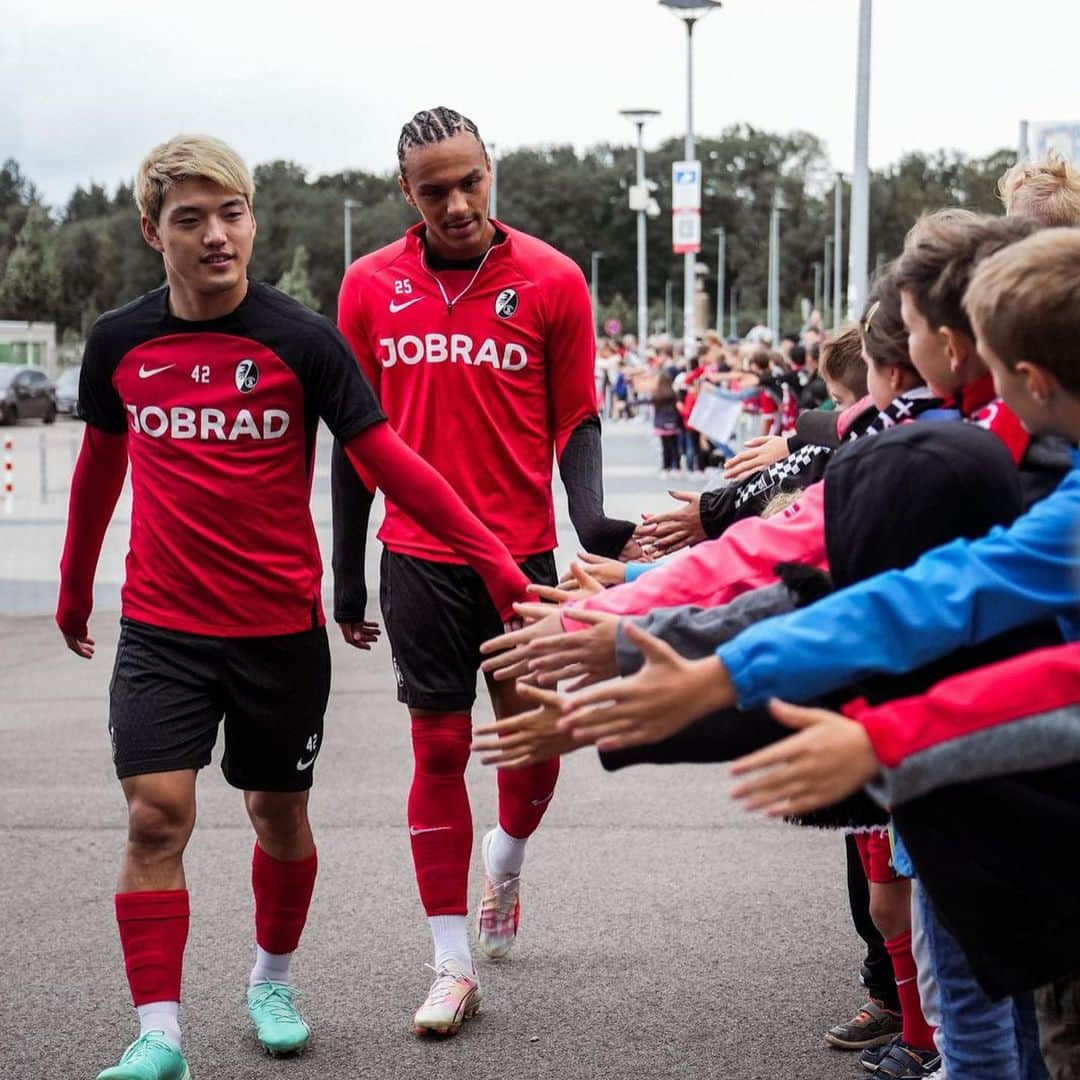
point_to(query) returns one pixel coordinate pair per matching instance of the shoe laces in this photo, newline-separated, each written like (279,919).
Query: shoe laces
(144,1045)
(446,979)
(277,999)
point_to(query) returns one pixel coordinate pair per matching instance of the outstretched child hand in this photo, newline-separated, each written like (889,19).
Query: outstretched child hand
(830,758)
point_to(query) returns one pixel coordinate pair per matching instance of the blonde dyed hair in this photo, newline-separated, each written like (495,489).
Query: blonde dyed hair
(189,157)
(1025,303)
(1046,190)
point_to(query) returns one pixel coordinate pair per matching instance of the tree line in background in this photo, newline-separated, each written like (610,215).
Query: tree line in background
(68,265)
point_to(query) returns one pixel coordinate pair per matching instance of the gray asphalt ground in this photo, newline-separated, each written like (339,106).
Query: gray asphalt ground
(665,933)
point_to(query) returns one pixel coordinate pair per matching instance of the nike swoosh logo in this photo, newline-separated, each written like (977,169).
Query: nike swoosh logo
(414,831)
(301,764)
(145,373)
(395,307)
(540,802)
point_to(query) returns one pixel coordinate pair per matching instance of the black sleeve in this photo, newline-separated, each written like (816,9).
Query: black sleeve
(351,502)
(717,509)
(99,403)
(581,467)
(340,392)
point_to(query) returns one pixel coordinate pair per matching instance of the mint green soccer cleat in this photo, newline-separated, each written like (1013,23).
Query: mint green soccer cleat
(149,1057)
(277,1023)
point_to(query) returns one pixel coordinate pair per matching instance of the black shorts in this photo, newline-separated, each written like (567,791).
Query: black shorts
(170,691)
(437,616)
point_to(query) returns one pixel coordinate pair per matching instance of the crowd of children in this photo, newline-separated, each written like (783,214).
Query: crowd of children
(905,567)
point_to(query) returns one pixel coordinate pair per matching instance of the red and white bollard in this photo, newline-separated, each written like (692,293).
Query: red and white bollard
(9,475)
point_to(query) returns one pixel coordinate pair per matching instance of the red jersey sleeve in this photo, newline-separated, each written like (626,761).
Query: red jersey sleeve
(354,326)
(571,355)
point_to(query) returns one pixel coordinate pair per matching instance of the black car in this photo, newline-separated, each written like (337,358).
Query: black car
(26,393)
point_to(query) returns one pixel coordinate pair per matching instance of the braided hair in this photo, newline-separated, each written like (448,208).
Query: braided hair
(430,126)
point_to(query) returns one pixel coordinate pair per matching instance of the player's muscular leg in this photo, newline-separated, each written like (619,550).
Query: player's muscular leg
(161,815)
(280,820)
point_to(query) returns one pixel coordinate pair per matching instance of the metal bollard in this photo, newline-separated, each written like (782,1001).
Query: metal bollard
(9,475)
(43,467)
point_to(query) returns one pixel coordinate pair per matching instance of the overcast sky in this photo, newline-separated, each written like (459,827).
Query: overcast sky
(87,88)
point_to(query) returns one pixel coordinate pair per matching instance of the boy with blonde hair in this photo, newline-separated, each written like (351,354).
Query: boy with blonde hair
(1047,190)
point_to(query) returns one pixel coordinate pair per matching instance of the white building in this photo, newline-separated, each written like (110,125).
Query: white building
(28,343)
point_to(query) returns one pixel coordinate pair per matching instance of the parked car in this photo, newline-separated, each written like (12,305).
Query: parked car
(25,393)
(67,391)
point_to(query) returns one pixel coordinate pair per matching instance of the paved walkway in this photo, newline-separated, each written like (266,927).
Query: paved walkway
(664,934)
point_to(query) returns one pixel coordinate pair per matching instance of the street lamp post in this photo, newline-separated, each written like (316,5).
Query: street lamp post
(734,305)
(667,307)
(817,287)
(721,255)
(778,206)
(493,194)
(349,204)
(690,11)
(838,251)
(639,202)
(859,241)
(594,284)
(826,298)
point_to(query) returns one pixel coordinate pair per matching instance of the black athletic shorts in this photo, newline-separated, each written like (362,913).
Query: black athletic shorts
(437,616)
(170,691)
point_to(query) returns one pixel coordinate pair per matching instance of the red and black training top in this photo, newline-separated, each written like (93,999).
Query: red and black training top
(221,419)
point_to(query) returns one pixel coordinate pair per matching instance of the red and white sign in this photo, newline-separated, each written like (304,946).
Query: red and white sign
(686,207)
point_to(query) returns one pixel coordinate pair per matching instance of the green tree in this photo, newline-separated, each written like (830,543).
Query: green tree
(30,287)
(294,282)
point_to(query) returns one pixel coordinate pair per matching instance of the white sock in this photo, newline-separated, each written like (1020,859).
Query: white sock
(506,853)
(450,936)
(270,967)
(161,1016)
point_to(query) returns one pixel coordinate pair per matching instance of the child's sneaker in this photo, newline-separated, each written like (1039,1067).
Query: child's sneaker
(900,1061)
(872,1025)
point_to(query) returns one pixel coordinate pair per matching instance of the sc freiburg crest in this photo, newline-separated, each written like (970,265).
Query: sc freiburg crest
(506,303)
(247,375)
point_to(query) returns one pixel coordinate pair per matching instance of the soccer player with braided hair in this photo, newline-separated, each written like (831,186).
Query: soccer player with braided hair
(479,342)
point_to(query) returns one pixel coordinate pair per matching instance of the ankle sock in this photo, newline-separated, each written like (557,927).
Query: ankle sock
(506,853)
(450,936)
(270,967)
(161,1016)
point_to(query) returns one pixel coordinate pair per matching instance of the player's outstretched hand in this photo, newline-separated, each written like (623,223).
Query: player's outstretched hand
(830,758)
(584,584)
(587,656)
(759,454)
(528,738)
(600,570)
(360,633)
(508,654)
(674,529)
(661,699)
(80,644)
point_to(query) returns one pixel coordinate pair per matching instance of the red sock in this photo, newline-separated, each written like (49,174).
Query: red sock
(524,795)
(153,933)
(282,898)
(917,1032)
(440,821)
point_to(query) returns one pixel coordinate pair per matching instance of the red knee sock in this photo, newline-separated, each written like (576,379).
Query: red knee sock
(440,821)
(917,1032)
(524,795)
(282,898)
(153,933)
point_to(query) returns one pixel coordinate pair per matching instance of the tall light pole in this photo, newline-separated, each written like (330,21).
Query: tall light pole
(721,256)
(639,202)
(667,307)
(349,204)
(817,287)
(859,245)
(734,305)
(778,206)
(594,284)
(690,11)
(826,298)
(493,194)
(838,251)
